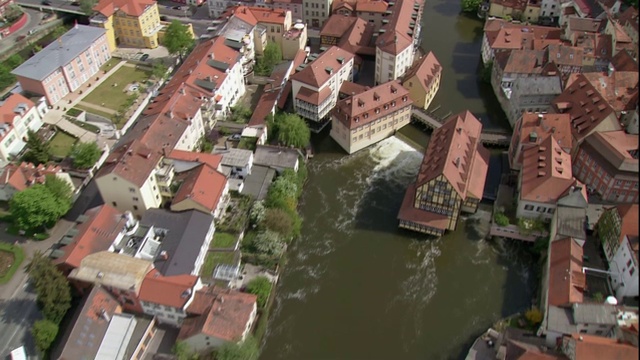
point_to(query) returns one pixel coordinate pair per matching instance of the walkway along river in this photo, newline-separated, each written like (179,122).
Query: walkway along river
(354,286)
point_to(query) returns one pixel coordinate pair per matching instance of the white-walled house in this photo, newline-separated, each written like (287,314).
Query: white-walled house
(624,268)
(18,115)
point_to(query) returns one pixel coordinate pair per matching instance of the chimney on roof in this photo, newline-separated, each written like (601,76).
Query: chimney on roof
(104,315)
(164,255)
(540,117)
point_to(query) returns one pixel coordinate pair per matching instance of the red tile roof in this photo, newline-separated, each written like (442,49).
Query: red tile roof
(513,4)
(521,61)
(129,7)
(203,185)
(629,220)
(535,128)
(565,55)
(350,88)
(357,39)
(566,279)
(313,97)
(271,93)
(409,212)
(337,25)
(95,234)
(622,61)
(619,89)
(316,74)
(598,46)
(591,347)
(396,38)
(371,6)
(630,17)
(8,110)
(614,147)
(22,176)
(174,291)
(517,350)
(213,160)
(223,314)
(426,70)
(299,59)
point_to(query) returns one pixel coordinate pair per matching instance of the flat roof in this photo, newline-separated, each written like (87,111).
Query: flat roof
(115,340)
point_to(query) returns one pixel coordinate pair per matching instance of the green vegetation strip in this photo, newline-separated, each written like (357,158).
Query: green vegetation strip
(85,125)
(215,258)
(61,144)
(223,240)
(18,257)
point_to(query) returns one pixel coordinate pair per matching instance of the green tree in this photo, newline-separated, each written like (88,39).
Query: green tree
(501,219)
(52,288)
(278,220)
(38,151)
(61,190)
(293,131)
(533,316)
(87,6)
(181,351)
(271,56)
(246,350)
(282,194)
(14,61)
(159,71)
(85,155)
(35,207)
(241,114)
(269,243)
(260,287)
(177,39)
(44,332)
(205,145)
(257,213)
(59,31)
(470,6)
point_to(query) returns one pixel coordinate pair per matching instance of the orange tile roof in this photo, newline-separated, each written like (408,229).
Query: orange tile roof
(591,347)
(313,97)
(226,316)
(299,59)
(337,25)
(349,5)
(409,212)
(129,7)
(213,160)
(517,350)
(629,220)
(426,70)
(203,185)
(629,16)
(534,128)
(566,280)
(22,176)
(396,38)
(8,107)
(505,35)
(357,38)
(452,151)
(622,61)
(316,74)
(546,172)
(598,46)
(620,89)
(95,234)
(522,61)
(565,55)
(371,6)
(372,104)
(614,147)
(269,16)
(174,291)
(350,88)
(513,4)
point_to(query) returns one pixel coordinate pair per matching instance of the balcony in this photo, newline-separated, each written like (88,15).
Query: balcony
(164,175)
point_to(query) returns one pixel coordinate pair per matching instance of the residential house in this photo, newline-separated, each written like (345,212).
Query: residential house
(398,41)
(531,129)
(624,268)
(132,23)
(423,80)
(64,65)
(568,59)
(315,87)
(504,36)
(618,88)
(201,188)
(589,112)
(293,6)
(525,10)
(620,39)
(167,297)
(607,162)
(241,32)
(581,8)
(565,282)
(580,346)
(451,178)
(277,158)
(629,21)
(293,40)
(101,330)
(352,34)
(18,115)
(578,26)
(544,179)
(510,66)
(365,119)
(237,163)
(316,12)
(597,50)
(533,95)
(276,22)
(373,12)
(334,28)
(614,224)
(580,318)
(551,9)
(18,177)
(219,316)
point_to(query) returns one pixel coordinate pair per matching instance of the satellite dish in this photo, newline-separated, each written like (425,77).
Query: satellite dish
(298,26)
(611,300)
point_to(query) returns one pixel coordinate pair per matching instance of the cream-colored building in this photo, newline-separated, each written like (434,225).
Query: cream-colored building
(423,80)
(316,12)
(369,117)
(134,23)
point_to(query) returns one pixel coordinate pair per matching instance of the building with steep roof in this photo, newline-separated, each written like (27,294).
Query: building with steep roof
(132,23)
(532,95)
(607,162)
(503,36)
(64,65)
(18,115)
(218,316)
(589,347)
(614,224)
(167,297)
(371,116)
(423,80)
(508,67)
(316,12)
(531,129)
(451,178)
(201,188)
(18,177)
(618,88)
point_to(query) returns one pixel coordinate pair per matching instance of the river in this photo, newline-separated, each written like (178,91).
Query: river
(354,286)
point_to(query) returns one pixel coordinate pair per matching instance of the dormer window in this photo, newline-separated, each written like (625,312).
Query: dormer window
(404,99)
(356,119)
(386,106)
(393,103)
(377,111)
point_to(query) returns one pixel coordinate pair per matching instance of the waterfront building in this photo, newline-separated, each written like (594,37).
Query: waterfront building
(18,115)
(510,66)
(614,224)
(501,35)
(423,80)
(64,65)
(532,95)
(521,10)
(366,118)
(16,177)
(132,23)
(624,268)
(618,88)
(579,346)
(532,129)
(350,33)
(607,162)
(451,178)
(277,158)
(374,12)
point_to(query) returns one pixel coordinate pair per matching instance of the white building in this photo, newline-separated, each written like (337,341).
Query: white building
(18,115)
(624,268)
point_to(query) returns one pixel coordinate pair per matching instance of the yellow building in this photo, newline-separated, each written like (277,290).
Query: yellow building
(423,80)
(134,23)
(521,10)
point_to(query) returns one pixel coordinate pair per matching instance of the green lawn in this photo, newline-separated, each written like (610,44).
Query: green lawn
(115,96)
(61,144)
(10,259)
(214,258)
(109,64)
(94,111)
(85,125)
(223,240)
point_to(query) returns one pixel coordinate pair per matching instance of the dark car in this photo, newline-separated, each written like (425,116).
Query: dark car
(75,3)
(144,57)
(163,18)
(177,8)
(46,2)
(235,137)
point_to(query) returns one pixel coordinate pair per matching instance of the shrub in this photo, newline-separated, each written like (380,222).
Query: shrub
(261,287)
(44,332)
(533,316)
(501,219)
(73,112)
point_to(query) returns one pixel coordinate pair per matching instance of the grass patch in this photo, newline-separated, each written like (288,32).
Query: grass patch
(11,257)
(73,112)
(109,64)
(61,144)
(215,258)
(96,112)
(89,127)
(223,240)
(112,91)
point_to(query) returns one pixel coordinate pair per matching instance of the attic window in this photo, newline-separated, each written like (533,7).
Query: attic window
(329,70)
(356,119)
(341,60)
(394,90)
(589,92)
(595,99)
(366,115)
(386,106)
(404,99)
(377,111)
(559,169)
(542,148)
(582,84)
(541,173)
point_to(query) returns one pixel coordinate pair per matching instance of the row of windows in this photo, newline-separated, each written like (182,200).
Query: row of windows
(540,209)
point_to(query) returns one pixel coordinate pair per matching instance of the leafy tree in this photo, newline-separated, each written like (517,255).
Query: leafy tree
(85,155)
(501,219)
(269,243)
(52,287)
(533,316)
(61,190)
(44,332)
(271,56)
(470,6)
(485,72)
(177,38)
(159,71)
(246,350)
(280,221)
(205,145)
(293,131)
(38,151)
(59,31)
(260,287)
(35,207)
(257,213)
(282,194)
(241,114)
(181,351)
(14,61)
(87,6)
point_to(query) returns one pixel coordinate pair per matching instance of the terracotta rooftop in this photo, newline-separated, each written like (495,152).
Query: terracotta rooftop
(173,291)
(129,7)
(521,61)
(518,350)
(565,55)
(222,313)
(358,38)
(455,151)
(15,105)
(349,5)
(268,16)
(505,35)
(591,347)
(337,25)
(25,175)
(213,160)
(628,219)
(272,92)
(619,89)
(629,17)
(409,212)
(513,4)
(425,70)
(320,70)
(598,46)
(535,128)
(203,185)
(586,24)
(546,172)
(617,148)
(349,88)
(313,97)
(372,104)
(566,279)
(96,233)
(371,6)
(398,33)
(622,61)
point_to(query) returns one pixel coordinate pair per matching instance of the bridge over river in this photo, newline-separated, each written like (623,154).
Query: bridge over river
(497,138)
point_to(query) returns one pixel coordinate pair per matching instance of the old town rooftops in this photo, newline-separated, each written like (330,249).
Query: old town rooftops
(397,35)
(320,70)
(566,279)
(129,7)
(426,70)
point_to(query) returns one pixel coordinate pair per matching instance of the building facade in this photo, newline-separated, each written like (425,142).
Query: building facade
(531,129)
(316,12)
(132,23)
(624,267)
(18,115)
(533,95)
(423,80)
(614,224)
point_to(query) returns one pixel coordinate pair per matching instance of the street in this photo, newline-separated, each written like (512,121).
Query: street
(33,23)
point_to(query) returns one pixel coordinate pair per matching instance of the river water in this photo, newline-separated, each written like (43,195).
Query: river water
(354,286)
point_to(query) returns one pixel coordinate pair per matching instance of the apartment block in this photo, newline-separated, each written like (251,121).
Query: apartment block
(64,65)
(132,23)
(532,95)
(532,129)
(316,12)
(18,115)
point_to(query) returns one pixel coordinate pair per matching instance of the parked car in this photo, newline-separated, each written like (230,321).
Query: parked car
(144,57)
(46,2)
(235,137)
(75,3)
(163,18)
(177,8)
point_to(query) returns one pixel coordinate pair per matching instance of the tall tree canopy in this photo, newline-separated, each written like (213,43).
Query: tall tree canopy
(85,155)
(52,288)
(293,131)
(177,38)
(36,207)
(38,151)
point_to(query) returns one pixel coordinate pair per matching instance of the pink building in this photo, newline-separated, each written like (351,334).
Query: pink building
(66,64)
